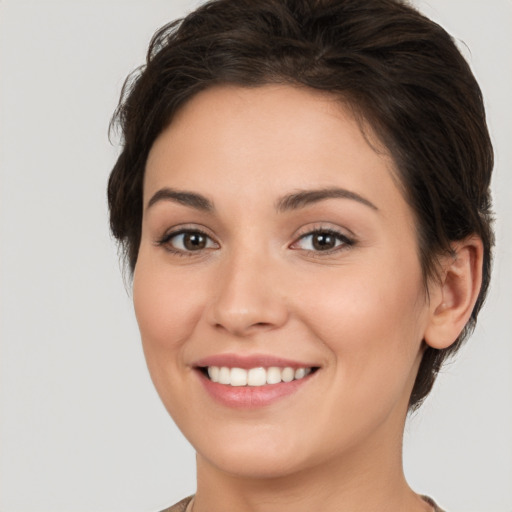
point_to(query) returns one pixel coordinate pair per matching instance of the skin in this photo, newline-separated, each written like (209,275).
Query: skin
(358,312)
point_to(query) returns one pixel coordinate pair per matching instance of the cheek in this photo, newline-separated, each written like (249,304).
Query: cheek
(167,310)
(372,322)
(166,306)
(363,300)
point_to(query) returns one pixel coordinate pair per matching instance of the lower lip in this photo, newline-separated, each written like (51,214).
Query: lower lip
(248,397)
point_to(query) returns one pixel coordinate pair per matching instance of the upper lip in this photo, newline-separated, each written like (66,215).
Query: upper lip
(250,361)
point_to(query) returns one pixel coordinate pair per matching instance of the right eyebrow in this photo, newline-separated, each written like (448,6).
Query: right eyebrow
(304,198)
(192,199)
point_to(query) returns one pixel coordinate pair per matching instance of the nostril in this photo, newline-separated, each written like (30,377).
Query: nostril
(257,325)
(246,313)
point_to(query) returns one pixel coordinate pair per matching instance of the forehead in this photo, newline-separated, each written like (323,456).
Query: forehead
(250,141)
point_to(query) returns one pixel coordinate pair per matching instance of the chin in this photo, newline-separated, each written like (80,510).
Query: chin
(253,464)
(255,455)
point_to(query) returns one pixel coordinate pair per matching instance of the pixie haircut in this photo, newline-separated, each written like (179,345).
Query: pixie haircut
(400,73)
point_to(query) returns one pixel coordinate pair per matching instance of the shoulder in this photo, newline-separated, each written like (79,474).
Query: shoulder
(181,506)
(430,501)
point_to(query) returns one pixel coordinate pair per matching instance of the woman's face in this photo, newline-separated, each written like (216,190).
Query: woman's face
(274,236)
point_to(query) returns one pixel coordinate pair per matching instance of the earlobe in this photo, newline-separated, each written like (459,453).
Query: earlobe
(454,295)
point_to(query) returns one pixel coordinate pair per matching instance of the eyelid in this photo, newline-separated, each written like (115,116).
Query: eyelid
(164,240)
(324,226)
(347,239)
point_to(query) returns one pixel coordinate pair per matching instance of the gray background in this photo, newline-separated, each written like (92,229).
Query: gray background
(81,426)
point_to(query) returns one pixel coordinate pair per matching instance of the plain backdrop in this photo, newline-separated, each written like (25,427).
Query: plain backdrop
(81,428)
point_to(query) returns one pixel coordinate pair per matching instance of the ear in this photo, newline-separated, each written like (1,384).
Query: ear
(453,297)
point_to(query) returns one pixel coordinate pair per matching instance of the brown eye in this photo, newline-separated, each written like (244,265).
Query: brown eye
(187,241)
(194,241)
(322,241)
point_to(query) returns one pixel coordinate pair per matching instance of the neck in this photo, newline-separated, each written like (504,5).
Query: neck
(367,478)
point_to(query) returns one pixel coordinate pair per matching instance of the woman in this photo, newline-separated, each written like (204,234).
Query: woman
(303,198)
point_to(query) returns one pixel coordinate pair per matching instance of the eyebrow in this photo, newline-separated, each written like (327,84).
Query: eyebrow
(294,201)
(191,199)
(304,198)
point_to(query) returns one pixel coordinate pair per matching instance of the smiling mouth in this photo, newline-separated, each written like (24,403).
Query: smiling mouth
(255,377)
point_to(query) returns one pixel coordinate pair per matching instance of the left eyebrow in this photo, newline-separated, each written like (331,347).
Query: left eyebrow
(304,198)
(191,199)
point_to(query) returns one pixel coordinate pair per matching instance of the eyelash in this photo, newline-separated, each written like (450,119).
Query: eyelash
(166,239)
(345,241)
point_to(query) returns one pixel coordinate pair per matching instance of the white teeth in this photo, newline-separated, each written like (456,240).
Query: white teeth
(238,377)
(287,374)
(255,376)
(213,373)
(273,375)
(224,375)
(300,373)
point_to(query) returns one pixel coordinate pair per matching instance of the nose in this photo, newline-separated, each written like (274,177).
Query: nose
(247,297)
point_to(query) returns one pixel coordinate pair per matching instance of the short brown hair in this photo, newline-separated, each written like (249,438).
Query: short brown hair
(399,70)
